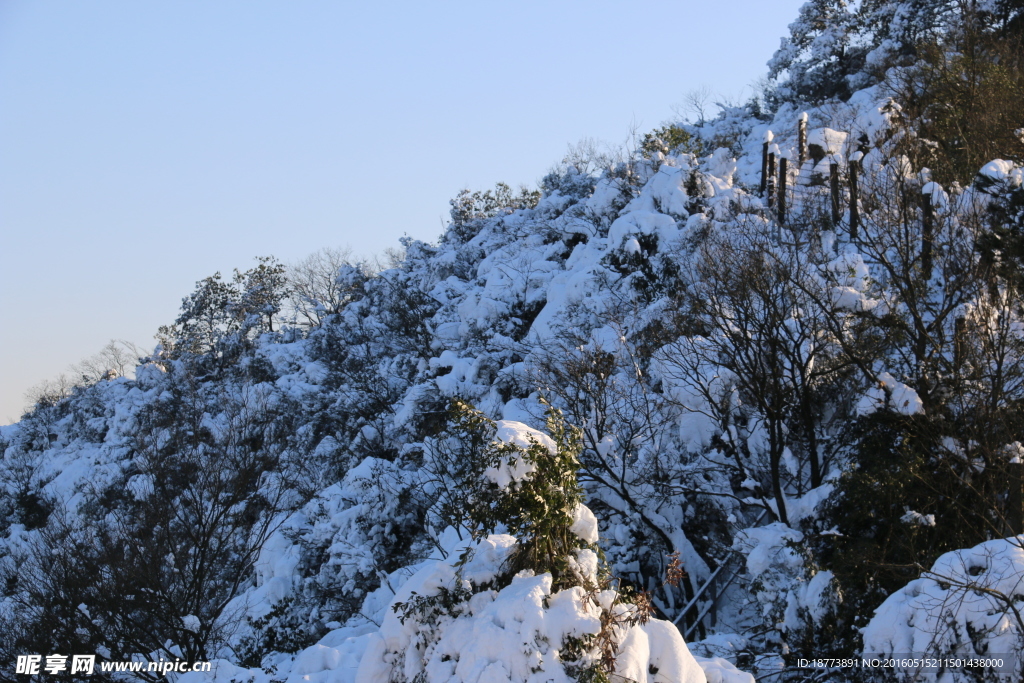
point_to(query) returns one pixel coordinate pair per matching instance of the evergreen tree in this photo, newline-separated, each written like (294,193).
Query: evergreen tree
(821,57)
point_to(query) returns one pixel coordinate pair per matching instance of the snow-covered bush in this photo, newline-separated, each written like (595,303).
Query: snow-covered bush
(967,606)
(532,604)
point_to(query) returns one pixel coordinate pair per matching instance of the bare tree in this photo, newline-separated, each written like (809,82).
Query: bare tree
(117,359)
(695,105)
(589,156)
(755,358)
(315,289)
(50,391)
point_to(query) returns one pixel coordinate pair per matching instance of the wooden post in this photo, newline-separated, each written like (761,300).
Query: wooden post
(854,210)
(1015,499)
(833,177)
(927,230)
(764,168)
(768,136)
(714,604)
(783,167)
(959,341)
(771,179)
(801,135)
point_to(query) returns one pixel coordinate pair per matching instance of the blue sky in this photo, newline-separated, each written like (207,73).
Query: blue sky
(144,146)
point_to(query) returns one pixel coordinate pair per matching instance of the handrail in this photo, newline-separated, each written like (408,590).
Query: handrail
(707,585)
(704,613)
(700,591)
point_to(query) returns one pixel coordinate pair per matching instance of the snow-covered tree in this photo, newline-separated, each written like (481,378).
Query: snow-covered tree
(822,57)
(532,603)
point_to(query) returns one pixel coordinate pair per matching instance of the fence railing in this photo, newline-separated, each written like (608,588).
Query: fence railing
(705,598)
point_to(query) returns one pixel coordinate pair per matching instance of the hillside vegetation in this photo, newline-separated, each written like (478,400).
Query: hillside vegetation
(757,385)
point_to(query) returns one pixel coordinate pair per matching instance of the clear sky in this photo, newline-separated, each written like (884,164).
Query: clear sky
(146,145)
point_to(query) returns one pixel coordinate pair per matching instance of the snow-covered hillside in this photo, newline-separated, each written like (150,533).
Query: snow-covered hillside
(790,402)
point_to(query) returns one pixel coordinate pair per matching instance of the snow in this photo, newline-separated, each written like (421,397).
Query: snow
(721,168)
(961,607)
(513,634)
(657,647)
(812,596)
(1014,452)
(584,524)
(890,393)
(524,436)
(335,659)
(141,486)
(769,546)
(719,670)
(828,140)
(917,519)
(586,274)
(663,193)
(938,196)
(852,299)
(528,409)
(463,376)
(643,222)
(1000,169)
(806,506)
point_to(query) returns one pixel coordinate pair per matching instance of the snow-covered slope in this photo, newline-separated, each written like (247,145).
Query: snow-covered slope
(718,357)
